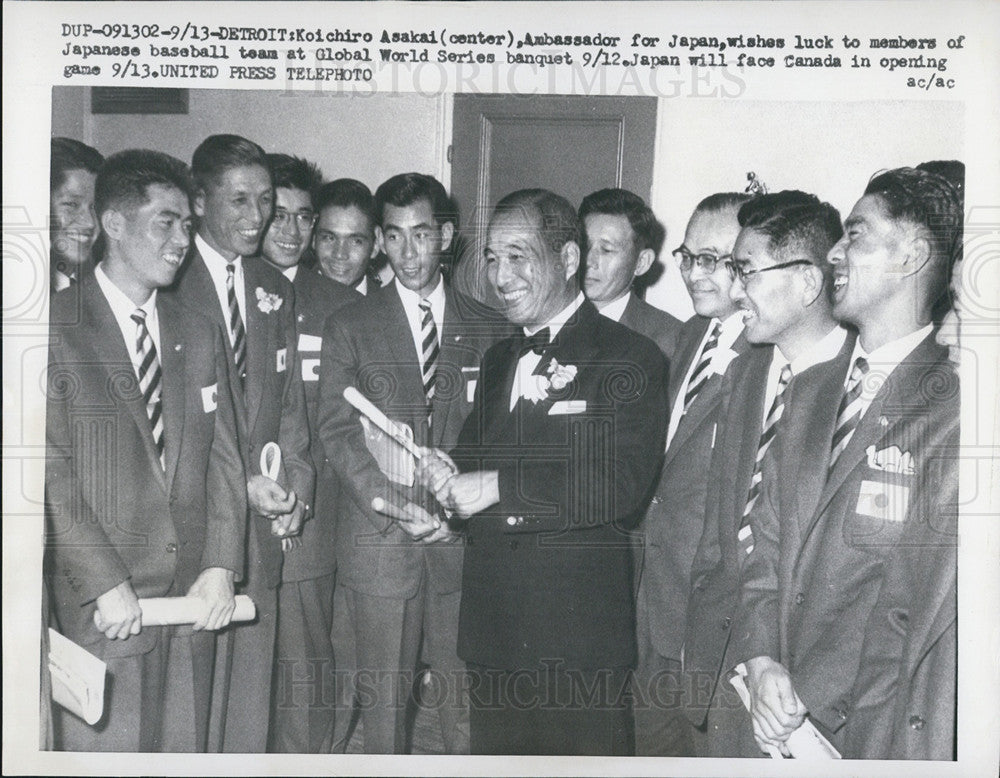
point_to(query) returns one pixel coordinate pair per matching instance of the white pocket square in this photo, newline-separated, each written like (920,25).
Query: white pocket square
(567,407)
(890,460)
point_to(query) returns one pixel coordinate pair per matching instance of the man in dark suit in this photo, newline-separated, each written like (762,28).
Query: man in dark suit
(144,481)
(782,287)
(302,714)
(556,460)
(413,349)
(623,240)
(254,304)
(674,521)
(856,604)
(344,237)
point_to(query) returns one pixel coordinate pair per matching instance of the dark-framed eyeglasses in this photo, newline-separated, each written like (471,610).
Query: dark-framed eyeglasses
(304,220)
(742,271)
(708,262)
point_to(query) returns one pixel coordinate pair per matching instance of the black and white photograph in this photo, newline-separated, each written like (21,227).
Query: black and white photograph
(501,388)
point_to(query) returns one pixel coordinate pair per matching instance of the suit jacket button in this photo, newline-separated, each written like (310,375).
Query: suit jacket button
(726,622)
(800,598)
(513,545)
(841,713)
(171,548)
(916,723)
(511,520)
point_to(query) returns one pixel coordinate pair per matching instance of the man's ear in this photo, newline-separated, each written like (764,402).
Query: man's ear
(198,202)
(570,256)
(447,233)
(113,224)
(916,253)
(376,244)
(379,241)
(646,259)
(812,284)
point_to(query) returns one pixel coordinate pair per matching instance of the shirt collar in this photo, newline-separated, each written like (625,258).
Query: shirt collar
(616,309)
(409,297)
(731,328)
(895,351)
(121,305)
(824,350)
(556,322)
(213,257)
(290,272)
(362,285)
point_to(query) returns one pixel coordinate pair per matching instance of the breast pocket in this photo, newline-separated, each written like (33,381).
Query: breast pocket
(879,515)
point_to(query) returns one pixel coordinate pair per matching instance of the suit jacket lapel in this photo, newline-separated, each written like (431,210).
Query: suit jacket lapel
(114,359)
(687,352)
(174,385)
(448,356)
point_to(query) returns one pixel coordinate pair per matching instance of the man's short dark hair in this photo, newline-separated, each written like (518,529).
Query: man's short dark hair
(294,173)
(68,154)
(553,215)
(723,201)
(346,193)
(648,231)
(794,221)
(952,170)
(407,188)
(219,153)
(124,179)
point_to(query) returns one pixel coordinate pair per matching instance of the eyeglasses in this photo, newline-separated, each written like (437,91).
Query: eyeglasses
(742,272)
(707,262)
(304,220)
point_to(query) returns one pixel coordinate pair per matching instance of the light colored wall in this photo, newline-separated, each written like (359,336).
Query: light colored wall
(369,138)
(829,149)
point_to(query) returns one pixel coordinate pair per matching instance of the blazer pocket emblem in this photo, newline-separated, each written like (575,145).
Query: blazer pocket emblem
(883,501)
(310,369)
(568,407)
(890,460)
(281,359)
(210,398)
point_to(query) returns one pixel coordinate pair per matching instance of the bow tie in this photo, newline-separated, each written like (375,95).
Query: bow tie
(537,342)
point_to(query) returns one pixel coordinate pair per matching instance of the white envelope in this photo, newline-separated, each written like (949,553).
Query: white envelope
(568,407)
(310,342)
(883,501)
(310,369)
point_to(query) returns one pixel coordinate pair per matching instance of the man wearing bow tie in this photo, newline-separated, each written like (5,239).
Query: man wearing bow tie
(554,463)
(144,485)
(861,577)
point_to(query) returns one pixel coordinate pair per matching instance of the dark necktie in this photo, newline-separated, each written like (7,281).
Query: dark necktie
(745,533)
(429,350)
(849,412)
(149,379)
(700,375)
(236,329)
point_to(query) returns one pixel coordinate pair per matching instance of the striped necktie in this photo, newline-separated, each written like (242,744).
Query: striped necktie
(700,375)
(429,350)
(745,533)
(149,379)
(236,329)
(849,412)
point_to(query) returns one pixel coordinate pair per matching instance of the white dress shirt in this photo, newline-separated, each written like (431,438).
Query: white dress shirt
(362,285)
(415,316)
(882,362)
(826,349)
(289,272)
(523,379)
(731,329)
(216,264)
(123,308)
(616,309)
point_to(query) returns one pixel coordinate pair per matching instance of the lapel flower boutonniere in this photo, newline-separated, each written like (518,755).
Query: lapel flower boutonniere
(560,375)
(720,361)
(267,302)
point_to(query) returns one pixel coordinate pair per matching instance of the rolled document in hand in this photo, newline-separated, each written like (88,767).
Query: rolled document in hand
(380,420)
(169,611)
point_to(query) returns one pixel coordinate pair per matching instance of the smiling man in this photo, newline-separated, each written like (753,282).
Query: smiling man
(623,241)
(302,716)
(254,304)
(344,236)
(781,285)
(149,502)
(553,465)
(849,591)
(413,349)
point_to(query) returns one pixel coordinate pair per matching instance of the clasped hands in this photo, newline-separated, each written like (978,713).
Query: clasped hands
(775,708)
(461,494)
(270,500)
